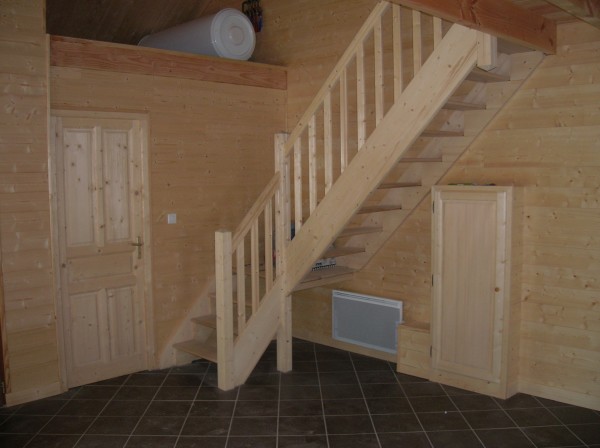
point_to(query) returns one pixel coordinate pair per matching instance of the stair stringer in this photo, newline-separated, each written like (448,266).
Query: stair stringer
(390,222)
(425,95)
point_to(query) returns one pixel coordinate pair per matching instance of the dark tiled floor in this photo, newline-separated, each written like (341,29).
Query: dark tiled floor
(331,399)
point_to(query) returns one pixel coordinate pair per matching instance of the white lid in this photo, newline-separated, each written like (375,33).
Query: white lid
(232,34)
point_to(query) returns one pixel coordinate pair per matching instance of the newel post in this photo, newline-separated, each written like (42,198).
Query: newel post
(224,305)
(283,236)
(487,51)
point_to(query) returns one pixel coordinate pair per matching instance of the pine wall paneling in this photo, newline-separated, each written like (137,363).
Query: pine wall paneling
(31,363)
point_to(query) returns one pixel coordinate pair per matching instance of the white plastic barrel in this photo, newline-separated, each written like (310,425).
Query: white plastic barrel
(228,34)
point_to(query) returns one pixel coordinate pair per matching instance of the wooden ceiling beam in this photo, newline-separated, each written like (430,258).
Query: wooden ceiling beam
(586,10)
(498,17)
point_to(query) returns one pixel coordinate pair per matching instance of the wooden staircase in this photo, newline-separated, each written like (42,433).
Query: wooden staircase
(356,165)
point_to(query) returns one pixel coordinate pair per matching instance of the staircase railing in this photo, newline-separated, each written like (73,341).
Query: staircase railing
(332,132)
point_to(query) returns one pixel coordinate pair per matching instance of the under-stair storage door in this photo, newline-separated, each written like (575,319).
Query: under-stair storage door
(99,195)
(471,272)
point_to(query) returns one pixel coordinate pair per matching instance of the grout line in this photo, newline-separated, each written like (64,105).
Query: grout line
(362,392)
(464,418)
(237,397)
(321,393)
(191,404)
(412,407)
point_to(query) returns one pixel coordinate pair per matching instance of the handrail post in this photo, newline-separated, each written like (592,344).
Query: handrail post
(283,236)
(224,305)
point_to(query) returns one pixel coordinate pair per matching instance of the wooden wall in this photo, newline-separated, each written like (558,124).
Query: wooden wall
(210,147)
(31,362)
(546,142)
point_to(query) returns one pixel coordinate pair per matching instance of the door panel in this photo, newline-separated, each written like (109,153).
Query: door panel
(99,186)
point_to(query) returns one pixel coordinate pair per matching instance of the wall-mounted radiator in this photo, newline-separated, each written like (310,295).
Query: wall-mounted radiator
(367,321)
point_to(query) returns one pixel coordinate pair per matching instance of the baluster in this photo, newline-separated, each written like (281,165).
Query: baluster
(268,246)
(312,163)
(397,36)
(255,266)
(298,183)
(241,286)
(417,42)
(437,31)
(328,143)
(282,202)
(378,44)
(343,120)
(361,117)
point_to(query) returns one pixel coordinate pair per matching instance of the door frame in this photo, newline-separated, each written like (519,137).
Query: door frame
(53,171)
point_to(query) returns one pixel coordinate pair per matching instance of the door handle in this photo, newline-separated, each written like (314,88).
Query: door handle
(139,245)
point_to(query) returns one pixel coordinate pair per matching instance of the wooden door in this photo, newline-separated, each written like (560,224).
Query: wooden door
(100,210)
(470,275)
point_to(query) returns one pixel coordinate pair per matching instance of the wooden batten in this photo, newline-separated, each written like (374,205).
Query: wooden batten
(88,54)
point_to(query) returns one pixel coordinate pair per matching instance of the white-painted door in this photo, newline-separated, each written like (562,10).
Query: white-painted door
(100,211)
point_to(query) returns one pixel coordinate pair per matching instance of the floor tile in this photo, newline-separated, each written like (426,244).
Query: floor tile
(396,423)
(296,408)
(349,424)
(145,379)
(575,415)
(475,402)
(63,424)
(504,438)
(96,392)
(53,441)
(214,393)
(183,380)
(253,426)
(151,442)
(113,425)
(454,439)
(442,421)
(300,379)
(41,407)
(382,390)
(302,442)
(258,408)
(15,440)
(211,408)
(337,378)
(252,442)
(341,391)
(353,441)
(176,393)
(90,408)
(169,408)
(588,432)
(125,408)
(100,441)
(206,426)
(423,389)
(155,425)
(488,419)
(432,404)
(258,393)
(552,436)
(404,439)
(299,426)
(24,424)
(519,401)
(133,393)
(201,442)
(345,407)
(533,417)
(300,393)
(397,405)
(376,376)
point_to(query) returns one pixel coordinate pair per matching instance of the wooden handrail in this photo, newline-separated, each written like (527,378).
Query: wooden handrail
(259,206)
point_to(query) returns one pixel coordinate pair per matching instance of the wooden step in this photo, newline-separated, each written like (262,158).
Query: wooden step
(378,209)
(392,185)
(205,350)
(436,134)
(479,75)
(325,276)
(420,160)
(453,104)
(334,252)
(352,231)
(210,320)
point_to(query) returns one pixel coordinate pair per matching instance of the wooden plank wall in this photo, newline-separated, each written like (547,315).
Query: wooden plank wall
(32,357)
(211,152)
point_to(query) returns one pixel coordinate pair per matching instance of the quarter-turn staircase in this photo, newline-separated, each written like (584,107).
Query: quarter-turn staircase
(385,127)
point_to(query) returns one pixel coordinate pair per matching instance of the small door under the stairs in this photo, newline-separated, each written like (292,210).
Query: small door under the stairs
(99,210)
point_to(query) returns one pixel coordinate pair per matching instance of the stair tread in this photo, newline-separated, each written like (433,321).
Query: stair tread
(453,104)
(334,252)
(479,75)
(391,185)
(209,320)
(205,350)
(421,160)
(434,133)
(379,208)
(351,231)
(325,276)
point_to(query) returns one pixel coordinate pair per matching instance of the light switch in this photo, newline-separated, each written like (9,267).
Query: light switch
(172,218)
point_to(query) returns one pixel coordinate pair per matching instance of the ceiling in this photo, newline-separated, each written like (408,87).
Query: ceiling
(127,21)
